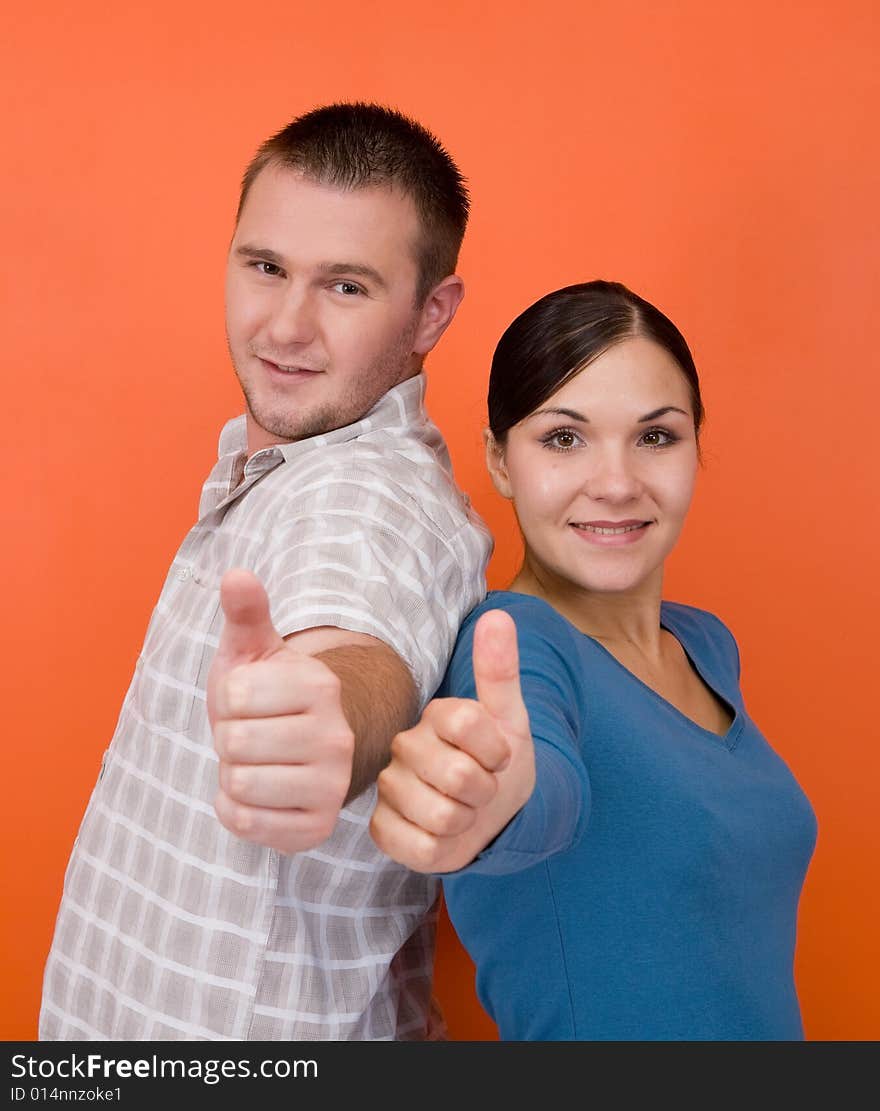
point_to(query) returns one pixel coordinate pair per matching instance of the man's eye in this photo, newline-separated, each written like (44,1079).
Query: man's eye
(270,269)
(348,288)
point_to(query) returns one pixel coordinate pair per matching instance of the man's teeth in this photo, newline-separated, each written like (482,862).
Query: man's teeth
(610,531)
(293,369)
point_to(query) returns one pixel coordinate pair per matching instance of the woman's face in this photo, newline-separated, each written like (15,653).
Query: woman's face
(602,473)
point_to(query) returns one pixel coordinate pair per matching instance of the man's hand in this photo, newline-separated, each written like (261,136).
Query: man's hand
(284,743)
(457,778)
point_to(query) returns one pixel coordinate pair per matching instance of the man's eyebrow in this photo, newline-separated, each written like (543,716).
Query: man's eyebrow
(262,253)
(356,270)
(327,269)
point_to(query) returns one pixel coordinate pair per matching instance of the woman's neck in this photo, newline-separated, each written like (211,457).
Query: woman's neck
(622,620)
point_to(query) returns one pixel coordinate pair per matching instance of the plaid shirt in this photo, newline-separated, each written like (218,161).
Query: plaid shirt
(170,927)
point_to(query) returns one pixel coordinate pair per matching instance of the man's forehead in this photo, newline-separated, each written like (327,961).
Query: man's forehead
(293,220)
(279,183)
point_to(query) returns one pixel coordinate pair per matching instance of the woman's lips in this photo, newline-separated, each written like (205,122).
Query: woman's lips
(611,534)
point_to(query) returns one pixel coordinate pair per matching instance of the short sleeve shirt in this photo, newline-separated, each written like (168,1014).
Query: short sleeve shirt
(170,927)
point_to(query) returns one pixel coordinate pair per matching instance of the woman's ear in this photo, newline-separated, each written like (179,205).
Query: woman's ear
(496,465)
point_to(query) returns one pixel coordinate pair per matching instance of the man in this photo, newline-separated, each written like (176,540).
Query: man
(224,884)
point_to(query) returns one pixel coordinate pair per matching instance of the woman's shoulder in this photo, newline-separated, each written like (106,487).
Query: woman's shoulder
(694,617)
(551,654)
(545,639)
(531,614)
(701,632)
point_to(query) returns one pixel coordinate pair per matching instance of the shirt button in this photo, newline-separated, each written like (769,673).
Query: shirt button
(184,573)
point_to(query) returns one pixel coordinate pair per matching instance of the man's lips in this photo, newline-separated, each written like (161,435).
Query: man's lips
(285,368)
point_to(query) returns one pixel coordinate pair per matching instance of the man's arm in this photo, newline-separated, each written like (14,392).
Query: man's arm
(301,725)
(379,698)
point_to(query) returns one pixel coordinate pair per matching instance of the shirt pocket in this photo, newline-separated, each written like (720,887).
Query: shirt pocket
(177,650)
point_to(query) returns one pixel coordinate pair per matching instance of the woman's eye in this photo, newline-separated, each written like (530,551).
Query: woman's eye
(562,439)
(658,437)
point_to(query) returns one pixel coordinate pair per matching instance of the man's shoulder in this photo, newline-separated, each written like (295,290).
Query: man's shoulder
(381,475)
(380,466)
(233,436)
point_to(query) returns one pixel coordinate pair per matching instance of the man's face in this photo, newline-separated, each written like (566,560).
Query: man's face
(320,314)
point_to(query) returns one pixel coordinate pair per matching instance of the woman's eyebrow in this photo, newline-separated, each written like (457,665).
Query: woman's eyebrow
(655,413)
(573,414)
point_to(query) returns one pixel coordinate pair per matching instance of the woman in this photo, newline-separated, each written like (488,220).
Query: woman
(622,850)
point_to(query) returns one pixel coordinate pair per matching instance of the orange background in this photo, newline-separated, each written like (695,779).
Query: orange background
(720,159)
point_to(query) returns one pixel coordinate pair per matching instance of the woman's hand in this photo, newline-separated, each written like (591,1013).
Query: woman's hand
(458,777)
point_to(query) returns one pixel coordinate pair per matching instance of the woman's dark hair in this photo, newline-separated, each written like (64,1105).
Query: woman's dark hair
(557,336)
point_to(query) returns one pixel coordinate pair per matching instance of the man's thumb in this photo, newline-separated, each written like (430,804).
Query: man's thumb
(248,633)
(496,669)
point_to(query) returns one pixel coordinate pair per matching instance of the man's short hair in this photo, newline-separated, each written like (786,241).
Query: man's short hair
(355,145)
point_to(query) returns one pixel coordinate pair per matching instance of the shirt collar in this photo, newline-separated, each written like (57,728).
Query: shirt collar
(401,407)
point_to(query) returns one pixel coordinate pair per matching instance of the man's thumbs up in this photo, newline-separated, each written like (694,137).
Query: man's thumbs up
(457,778)
(284,744)
(248,633)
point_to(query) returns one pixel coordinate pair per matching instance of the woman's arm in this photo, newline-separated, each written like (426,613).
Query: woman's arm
(457,777)
(448,800)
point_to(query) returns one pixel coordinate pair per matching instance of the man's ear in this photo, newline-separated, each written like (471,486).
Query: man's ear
(496,465)
(437,313)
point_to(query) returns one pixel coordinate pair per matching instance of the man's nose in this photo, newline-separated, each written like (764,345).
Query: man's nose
(294,320)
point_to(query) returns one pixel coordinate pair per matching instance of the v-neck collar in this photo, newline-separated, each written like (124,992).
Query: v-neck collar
(730,738)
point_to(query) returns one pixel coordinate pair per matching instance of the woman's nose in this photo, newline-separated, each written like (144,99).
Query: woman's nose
(612,478)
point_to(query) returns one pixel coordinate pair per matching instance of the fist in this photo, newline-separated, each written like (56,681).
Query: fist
(458,777)
(284,744)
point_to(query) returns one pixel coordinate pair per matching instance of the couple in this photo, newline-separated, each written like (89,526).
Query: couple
(621,851)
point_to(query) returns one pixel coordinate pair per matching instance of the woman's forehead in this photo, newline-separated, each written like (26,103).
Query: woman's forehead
(626,376)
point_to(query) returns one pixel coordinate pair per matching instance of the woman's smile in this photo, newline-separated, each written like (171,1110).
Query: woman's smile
(602,473)
(611,534)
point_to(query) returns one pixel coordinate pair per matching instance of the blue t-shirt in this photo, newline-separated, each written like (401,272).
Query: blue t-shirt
(648,890)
